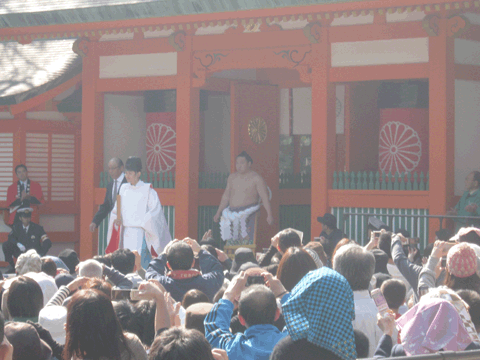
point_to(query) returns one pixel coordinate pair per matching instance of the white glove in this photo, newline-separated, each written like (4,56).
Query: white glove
(21,247)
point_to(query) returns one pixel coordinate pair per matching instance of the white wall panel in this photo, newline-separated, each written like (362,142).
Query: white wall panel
(6,164)
(63,167)
(284,111)
(467,130)
(139,65)
(125,128)
(217,134)
(38,159)
(467,52)
(380,52)
(302,111)
(57,223)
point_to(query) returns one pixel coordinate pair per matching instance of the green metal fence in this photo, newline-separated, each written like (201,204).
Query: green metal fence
(164,180)
(205,223)
(363,180)
(355,225)
(296,217)
(296,181)
(212,180)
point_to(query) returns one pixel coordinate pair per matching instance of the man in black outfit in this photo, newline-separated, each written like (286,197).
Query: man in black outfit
(330,235)
(115,170)
(24,236)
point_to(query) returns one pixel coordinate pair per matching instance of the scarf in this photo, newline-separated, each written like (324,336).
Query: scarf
(321,309)
(19,187)
(432,325)
(183,274)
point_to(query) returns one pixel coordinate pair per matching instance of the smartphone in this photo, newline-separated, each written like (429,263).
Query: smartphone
(120,294)
(443,263)
(257,279)
(135,295)
(380,301)
(377,234)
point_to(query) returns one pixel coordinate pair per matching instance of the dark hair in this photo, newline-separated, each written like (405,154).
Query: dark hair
(20,166)
(144,314)
(25,298)
(180,256)
(272,269)
(472,298)
(105,259)
(394,292)
(257,305)
(70,258)
(385,243)
(181,344)
(101,285)
(405,233)
(318,248)
(194,296)
(210,249)
(295,264)
(125,312)
(476,176)
(133,164)
(428,250)
(246,156)
(471,237)
(381,278)
(123,260)
(471,282)
(287,349)
(343,242)
(195,317)
(362,344)
(93,330)
(276,259)
(288,238)
(49,267)
(236,326)
(219,293)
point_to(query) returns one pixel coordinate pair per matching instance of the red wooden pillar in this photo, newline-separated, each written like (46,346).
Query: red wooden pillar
(188,146)
(91,147)
(323,130)
(441,123)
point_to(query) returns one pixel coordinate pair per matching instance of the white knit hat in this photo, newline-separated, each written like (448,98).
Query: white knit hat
(53,318)
(28,262)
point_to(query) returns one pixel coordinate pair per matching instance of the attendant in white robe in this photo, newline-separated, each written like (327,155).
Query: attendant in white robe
(142,214)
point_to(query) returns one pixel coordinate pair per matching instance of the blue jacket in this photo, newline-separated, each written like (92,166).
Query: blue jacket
(209,282)
(256,343)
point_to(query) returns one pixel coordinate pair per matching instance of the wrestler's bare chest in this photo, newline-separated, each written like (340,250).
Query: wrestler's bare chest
(244,191)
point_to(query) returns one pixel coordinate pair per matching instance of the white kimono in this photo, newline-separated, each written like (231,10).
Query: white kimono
(142,218)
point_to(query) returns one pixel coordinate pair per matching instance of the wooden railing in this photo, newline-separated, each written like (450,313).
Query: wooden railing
(363,180)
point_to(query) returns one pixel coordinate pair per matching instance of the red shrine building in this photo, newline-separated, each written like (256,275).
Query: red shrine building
(346,107)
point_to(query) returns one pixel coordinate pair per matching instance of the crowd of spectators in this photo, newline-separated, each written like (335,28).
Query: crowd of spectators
(294,301)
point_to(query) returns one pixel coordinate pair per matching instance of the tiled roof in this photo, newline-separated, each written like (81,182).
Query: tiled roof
(22,13)
(26,70)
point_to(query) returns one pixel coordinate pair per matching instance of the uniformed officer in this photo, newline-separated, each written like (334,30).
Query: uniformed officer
(24,236)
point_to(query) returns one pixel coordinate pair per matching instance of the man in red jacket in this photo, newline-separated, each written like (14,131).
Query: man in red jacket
(23,193)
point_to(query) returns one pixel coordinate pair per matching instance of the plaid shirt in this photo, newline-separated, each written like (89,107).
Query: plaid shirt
(321,309)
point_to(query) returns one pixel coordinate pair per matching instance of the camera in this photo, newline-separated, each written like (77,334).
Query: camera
(255,280)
